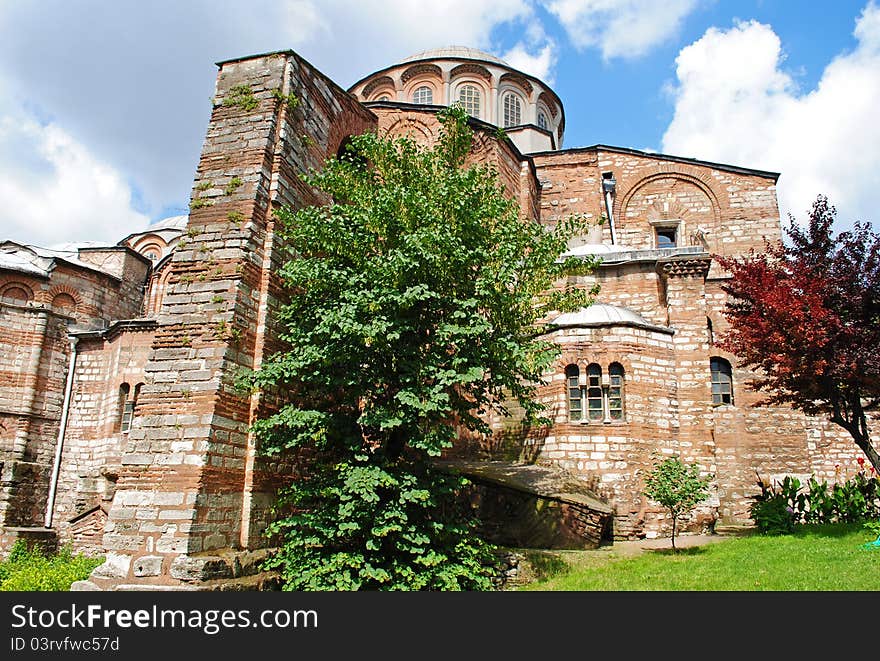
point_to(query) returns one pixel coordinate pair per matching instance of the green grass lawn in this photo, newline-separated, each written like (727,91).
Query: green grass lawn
(827,557)
(29,570)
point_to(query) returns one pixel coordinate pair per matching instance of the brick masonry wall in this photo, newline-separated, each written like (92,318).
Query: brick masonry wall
(190,478)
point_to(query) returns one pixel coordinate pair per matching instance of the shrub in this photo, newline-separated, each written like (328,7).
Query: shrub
(781,505)
(28,570)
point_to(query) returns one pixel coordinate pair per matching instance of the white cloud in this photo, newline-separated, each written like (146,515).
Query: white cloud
(540,64)
(128,83)
(53,190)
(620,28)
(734,103)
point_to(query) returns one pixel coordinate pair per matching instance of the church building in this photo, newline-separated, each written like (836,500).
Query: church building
(122,431)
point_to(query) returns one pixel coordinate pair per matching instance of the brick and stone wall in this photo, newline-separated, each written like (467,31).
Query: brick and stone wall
(191,481)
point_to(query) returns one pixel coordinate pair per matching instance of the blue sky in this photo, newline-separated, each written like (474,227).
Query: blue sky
(104,105)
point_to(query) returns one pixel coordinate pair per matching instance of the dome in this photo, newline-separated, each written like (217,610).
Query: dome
(455,52)
(174,223)
(602,314)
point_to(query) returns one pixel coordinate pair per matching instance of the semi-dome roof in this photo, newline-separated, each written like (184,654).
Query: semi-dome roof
(602,314)
(454,52)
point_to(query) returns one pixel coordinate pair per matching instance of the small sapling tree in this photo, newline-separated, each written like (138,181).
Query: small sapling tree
(676,486)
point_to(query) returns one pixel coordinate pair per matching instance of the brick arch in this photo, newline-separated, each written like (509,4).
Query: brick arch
(13,285)
(373,85)
(57,290)
(415,128)
(584,358)
(701,180)
(470,70)
(519,81)
(419,70)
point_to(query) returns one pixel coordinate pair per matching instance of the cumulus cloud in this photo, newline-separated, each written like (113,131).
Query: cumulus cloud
(539,64)
(129,83)
(620,28)
(53,190)
(735,103)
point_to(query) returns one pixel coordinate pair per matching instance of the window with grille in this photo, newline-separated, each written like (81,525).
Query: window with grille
(469,96)
(575,406)
(542,121)
(615,391)
(722,381)
(423,95)
(512,110)
(597,400)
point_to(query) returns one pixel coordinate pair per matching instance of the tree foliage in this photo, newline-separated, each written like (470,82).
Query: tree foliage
(416,300)
(807,315)
(676,486)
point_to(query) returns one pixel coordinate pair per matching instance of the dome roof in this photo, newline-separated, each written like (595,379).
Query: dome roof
(457,52)
(602,314)
(174,222)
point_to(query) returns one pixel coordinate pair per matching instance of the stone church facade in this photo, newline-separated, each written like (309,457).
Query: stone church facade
(122,431)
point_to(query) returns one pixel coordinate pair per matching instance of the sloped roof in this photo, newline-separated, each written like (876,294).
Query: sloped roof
(603,314)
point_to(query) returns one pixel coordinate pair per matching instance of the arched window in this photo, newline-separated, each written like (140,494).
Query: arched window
(125,409)
(127,401)
(469,96)
(512,110)
(615,391)
(384,97)
(595,409)
(423,95)
(722,381)
(575,405)
(542,121)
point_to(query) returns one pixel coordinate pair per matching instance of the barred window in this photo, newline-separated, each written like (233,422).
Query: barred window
(615,391)
(575,405)
(594,392)
(423,95)
(469,96)
(722,381)
(542,121)
(512,110)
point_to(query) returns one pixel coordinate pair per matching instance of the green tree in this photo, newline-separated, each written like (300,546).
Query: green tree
(676,486)
(416,297)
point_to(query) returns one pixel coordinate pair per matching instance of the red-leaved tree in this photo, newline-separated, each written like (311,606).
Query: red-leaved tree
(806,316)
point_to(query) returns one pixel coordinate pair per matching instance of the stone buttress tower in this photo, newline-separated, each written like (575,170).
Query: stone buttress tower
(193,494)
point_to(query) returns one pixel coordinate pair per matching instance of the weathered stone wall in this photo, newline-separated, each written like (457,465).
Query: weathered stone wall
(94,439)
(190,479)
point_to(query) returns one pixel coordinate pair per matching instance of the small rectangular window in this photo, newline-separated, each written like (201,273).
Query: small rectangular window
(666,237)
(127,410)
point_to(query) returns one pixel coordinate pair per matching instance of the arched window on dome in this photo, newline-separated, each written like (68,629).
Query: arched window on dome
(722,381)
(423,95)
(384,97)
(542,121)
(575,404)
(511,110)
(470,98)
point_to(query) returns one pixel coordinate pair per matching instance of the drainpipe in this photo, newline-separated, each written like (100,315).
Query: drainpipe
(59,444)
(608,185)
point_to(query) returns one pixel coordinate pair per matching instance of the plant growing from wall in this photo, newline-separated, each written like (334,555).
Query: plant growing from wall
(233,185)
(806,315)
(414,304)
(676,486)
(290,100)
(241,96)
